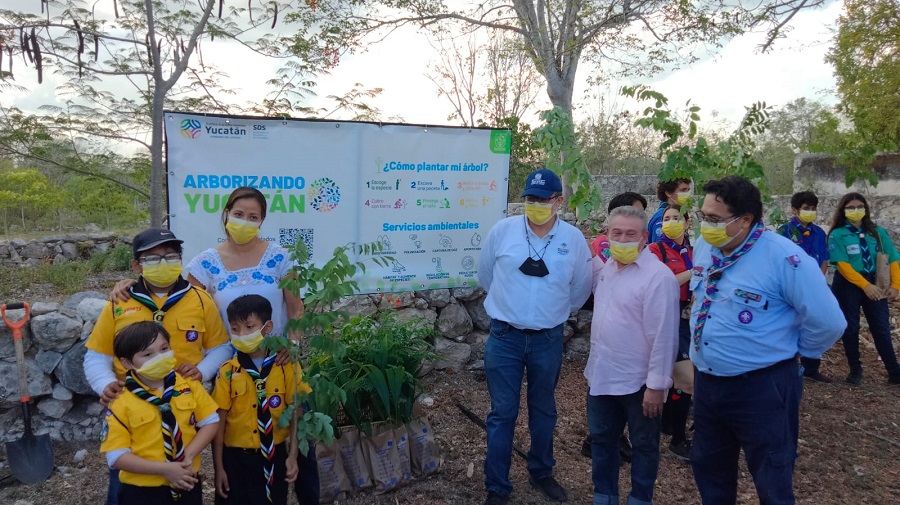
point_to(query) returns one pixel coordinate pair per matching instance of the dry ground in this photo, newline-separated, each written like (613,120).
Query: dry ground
(849,449)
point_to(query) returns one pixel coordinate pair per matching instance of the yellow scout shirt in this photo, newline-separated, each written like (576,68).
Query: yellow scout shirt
(235,392)
(133,423)
(193,324)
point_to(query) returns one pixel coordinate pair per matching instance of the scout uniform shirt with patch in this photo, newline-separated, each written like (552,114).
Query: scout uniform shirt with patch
(193,324)
(236,392)
(844,246)
(135,424)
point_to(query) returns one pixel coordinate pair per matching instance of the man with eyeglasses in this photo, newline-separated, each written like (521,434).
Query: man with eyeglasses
(161,294)
(759,302)
(536,270)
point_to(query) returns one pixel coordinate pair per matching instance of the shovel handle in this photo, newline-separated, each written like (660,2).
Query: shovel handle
(16,327)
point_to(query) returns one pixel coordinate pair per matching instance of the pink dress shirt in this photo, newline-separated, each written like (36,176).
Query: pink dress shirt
(634,332)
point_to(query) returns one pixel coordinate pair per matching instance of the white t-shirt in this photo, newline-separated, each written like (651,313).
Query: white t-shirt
(263,279)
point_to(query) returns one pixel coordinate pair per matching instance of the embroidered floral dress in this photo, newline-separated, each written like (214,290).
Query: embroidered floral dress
(263,279)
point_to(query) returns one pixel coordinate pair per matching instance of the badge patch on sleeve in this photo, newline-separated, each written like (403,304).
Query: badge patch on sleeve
(191,335)
(104,432)
(275,401)
(794,260)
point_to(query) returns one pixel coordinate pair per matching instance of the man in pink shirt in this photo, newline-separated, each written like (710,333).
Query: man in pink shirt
(634,340)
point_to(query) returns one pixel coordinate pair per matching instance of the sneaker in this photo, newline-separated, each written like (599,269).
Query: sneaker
(855,377)
(586,448)
(551,489)
(625,449)
(681,450)
(495,499)
(818,376)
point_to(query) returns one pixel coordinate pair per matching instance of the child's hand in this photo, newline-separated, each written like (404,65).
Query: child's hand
(110,392)
(291,469)
(189,371)
(222,488)
(180,474)
(282,358)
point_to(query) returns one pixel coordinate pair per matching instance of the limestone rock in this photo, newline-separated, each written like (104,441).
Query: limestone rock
(356,305)
(51,407)
(41,308)
(94,409)
(450,354)
(47,360)
(479,316)
(89,309)
(467,294)
(476,365)
(70,371)
(454,321)
(582,321)
(73,301)
(39,383)
(579,344)
(35,250)
(426,316)
(69,250)
(61,393)
(436,297)
(396,300)
(55,331)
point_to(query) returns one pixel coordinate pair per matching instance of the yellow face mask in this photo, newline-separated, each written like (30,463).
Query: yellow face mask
(624,252)
(158,367)
(248,343)
(241,231)
(855,215)
(807,216)
(163,274)
(539,213)
(715,234)
(673,229)
(682,197)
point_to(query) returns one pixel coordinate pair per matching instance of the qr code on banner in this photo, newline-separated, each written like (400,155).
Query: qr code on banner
(288,237)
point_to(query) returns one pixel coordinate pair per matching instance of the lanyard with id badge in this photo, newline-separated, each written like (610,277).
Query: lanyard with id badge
(534,267)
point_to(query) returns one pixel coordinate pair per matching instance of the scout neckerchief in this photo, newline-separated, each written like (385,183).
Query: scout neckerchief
(714,275)
(867,261)
(684,250)
(263,415)
(801,235)
(140,293)
(172,440)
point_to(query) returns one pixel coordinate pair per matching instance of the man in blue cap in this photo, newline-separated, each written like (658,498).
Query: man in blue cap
(536,270)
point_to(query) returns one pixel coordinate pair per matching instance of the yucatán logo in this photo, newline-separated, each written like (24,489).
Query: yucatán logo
(225,130)
(191,128)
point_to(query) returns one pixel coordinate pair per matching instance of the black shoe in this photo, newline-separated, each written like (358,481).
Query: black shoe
(855,377)
(551,489)
(586,448)
(625,449)
(496,499)
(818,377)
(681,450)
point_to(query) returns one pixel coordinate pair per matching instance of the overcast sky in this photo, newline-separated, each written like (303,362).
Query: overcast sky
(735,77)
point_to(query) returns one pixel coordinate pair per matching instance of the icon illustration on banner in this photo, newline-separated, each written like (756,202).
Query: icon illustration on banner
(437,266)
(476,240)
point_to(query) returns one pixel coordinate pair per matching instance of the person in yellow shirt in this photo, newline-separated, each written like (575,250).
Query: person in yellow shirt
(155,430)
(199,340)
(254,459)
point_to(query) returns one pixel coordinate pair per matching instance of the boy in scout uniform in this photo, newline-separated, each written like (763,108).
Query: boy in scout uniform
(156,429)
(187,313)
(252,463)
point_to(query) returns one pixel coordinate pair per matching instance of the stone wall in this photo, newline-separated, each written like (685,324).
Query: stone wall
(65,406)
(818,173)
(57,248)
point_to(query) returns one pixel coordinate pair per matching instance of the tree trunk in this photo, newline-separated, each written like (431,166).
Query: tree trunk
(158,205)
(560,92)
(22,213)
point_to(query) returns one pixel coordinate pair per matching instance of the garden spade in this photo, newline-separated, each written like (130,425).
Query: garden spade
(30,457)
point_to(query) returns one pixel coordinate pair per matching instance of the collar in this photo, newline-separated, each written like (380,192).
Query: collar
(718,252)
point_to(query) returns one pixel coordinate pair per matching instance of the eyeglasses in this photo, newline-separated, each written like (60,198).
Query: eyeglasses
(713,219)
(153,259)
(534,199)
(860,207)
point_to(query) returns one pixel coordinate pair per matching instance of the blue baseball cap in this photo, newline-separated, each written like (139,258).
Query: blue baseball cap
(542,183)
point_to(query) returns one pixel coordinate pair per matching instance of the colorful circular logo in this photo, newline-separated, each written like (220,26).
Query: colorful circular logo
(275,401)
(190,128)
(191,335)
(324,195)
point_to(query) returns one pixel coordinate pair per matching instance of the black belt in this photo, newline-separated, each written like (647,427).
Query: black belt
(751,373)
(526,331)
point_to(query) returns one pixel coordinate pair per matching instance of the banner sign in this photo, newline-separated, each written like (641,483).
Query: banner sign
(428,195)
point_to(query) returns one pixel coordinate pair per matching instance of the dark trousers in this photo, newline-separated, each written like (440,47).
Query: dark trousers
(138,495)
(757,412)
(851,299)
(112,491)
(307,484)
(246,482)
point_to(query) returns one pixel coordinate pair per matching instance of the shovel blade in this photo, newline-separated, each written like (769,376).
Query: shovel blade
(30,458)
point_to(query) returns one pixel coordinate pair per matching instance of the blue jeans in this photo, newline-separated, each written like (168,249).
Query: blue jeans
(606,416)
(851,299)
(757,412)
(112,492)
(509,354)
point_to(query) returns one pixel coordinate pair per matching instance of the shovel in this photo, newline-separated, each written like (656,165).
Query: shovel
(30,457)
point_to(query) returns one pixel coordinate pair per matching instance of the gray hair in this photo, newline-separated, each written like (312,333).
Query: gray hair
(628,211)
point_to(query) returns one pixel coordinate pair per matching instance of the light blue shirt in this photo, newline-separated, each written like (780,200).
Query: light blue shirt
(528,302)
(770,305)
(654,225)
